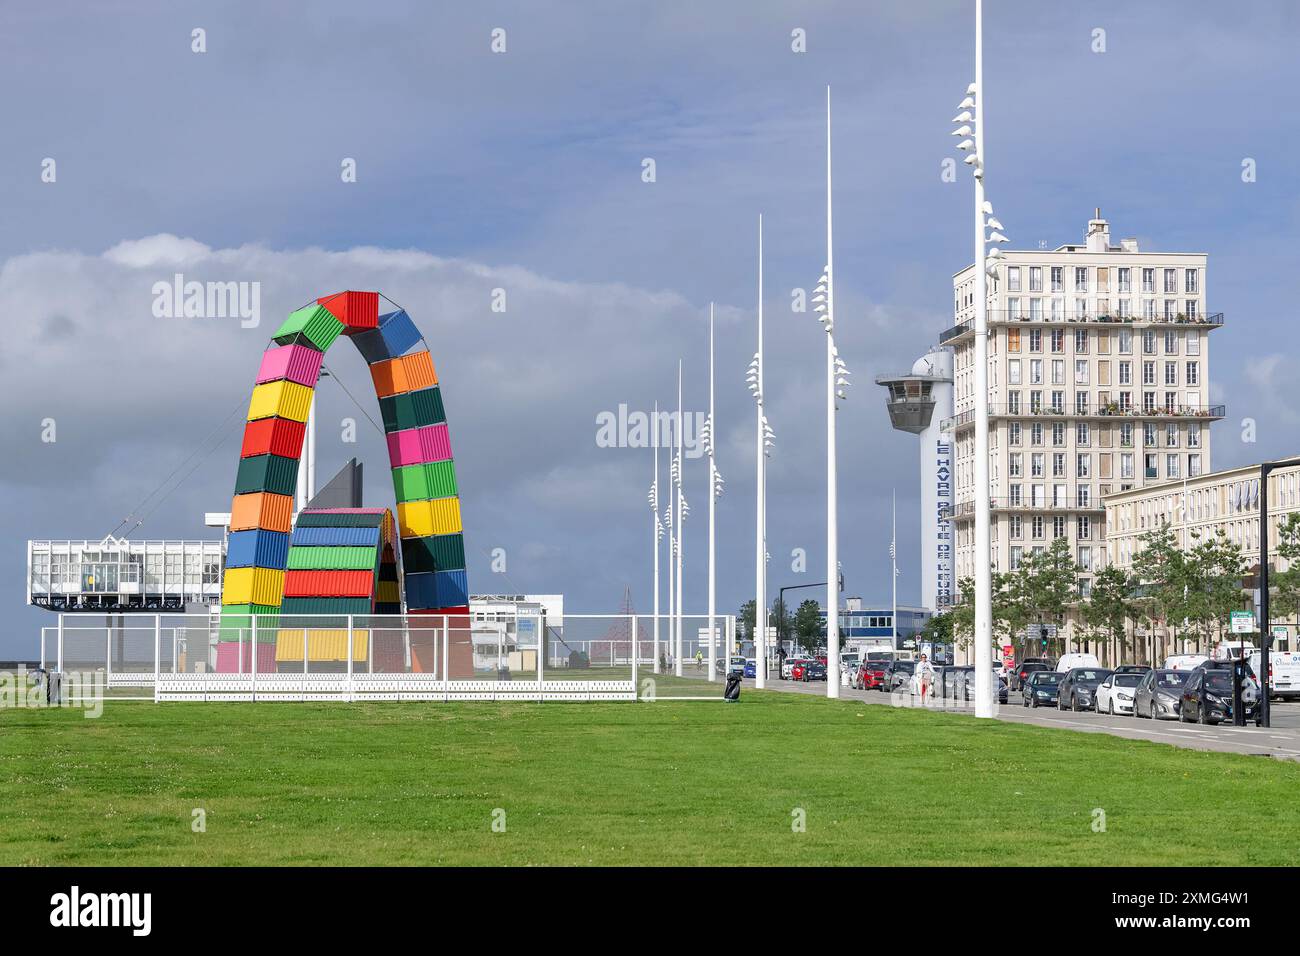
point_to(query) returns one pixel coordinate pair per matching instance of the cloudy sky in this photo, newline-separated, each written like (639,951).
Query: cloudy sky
(522,170)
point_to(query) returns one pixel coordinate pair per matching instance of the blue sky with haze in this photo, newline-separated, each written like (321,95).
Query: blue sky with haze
(522,171)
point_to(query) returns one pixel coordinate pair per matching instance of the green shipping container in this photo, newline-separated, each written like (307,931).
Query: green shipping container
(315,323)
(272,473)
(308,519)
(436,479)
(237,623)
(439,552)
(324,606)
(412,409)
(333,559)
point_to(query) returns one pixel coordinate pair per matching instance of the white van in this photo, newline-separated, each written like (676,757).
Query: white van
(1184,662)
(1071,661)
(1284,672)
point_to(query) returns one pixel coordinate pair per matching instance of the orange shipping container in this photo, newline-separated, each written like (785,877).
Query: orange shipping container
(261,510)
(406,374)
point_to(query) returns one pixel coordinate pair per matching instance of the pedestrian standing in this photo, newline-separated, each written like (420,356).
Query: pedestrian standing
(924,677)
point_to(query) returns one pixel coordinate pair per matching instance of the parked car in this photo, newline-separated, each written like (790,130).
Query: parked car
(1026,667)
(1207,696)
(948,680)
(1159,694)
(874,674)
(899,676)
(751,667)
(1132,668)
(1069,662)
(967,688)
(1115,694)
(858,676)
(812,670)
(1040,690)
(787,667)
(1078,690)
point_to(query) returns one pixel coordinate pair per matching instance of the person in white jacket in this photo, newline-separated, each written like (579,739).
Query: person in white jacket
(924,677)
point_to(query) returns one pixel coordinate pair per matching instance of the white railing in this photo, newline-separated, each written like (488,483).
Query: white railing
(496,656)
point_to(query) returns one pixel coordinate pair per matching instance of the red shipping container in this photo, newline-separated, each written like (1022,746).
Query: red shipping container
(329,583)
(273,436)
(357,311)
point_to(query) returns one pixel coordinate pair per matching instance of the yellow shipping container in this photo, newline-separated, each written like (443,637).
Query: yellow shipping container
(422,518)
(253,586)
(324,646)
(284,398)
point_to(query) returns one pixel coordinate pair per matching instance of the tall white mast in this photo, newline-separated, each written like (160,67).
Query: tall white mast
(832,504)
(760,544)
(713,495)
(656,528)
(677,647)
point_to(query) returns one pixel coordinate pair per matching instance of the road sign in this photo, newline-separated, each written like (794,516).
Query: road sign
(1034,631)
(1242,622)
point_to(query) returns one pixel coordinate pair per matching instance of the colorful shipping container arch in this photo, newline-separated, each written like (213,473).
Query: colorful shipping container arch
(259,577)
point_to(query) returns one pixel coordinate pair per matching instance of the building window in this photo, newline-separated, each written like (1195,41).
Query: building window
(1085,501)
(1125,279)
(1148,373)
(1013,340)
(1148,342)
(1058,340)
(1172,467)
(1082,434)
(1058,526)
(1193,466)
(1148,280)
(1036,433)
(1013,372)
(1037,527)
(1081,403)
(1058,371)
(1035,278)
(1013,279)
(1193,373)
(1171,436)
(1083,465)
(1194,435)
(1036,465)
(1126,465)
(1080,371)
(1171,342)
(1193,343)
(1126,373)
(1171,280)
(1081,341)
(1014,465)
(1080,279)
(1058,464)
(1149,434)
(1035,340)
(1013,430)
(1171,373)
(1150,466)
(1013,407)
(1058,434)
(1190,281)
(1125,346)
(1013,308)
(1035,371)
(1016,553)
(1016,497)
(1058,279)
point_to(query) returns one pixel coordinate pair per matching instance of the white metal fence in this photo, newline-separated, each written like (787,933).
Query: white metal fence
(487,656)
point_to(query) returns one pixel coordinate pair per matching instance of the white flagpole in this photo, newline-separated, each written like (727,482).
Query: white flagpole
(893,561)
(655,529)
(677,651)
(760,547)
(832,506)
(713,495)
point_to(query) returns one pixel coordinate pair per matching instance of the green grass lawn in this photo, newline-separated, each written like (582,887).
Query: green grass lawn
(664,783)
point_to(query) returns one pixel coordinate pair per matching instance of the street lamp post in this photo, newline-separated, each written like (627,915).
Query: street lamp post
(763,442)
(1265,625)
(680,500)
(837,373)
(657,530)
(715,492)
(985,266)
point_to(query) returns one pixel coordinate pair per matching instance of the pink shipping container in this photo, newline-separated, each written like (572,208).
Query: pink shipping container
(232,660)
(297,363)
(404,448)
(435,445)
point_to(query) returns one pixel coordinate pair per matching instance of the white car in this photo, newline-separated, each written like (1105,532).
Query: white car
(788,664)
(1115,693)
(1069,662)
(1184,662)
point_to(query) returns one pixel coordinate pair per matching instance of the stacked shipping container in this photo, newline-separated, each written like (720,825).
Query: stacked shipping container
(319,570)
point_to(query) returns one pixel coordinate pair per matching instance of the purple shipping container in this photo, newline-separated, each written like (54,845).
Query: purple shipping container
(297,363)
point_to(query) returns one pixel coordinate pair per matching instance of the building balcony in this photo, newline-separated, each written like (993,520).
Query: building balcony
(965,328)
(963,510)
(1106,413)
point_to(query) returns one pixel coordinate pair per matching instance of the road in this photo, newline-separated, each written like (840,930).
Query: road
(1281,741)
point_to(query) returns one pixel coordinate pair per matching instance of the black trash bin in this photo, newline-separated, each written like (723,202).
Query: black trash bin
(732,691)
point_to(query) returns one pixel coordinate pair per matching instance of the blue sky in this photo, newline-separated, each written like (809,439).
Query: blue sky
(522,170)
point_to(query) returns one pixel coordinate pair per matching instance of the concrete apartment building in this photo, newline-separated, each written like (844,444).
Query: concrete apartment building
(1099,371)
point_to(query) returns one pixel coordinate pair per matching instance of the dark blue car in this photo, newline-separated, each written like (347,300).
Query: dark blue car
(751,668)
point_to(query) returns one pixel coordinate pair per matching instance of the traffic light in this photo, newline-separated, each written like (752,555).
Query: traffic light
(1042,635)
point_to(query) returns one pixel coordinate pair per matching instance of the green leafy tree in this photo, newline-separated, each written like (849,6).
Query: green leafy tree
(963,614)
(807,625)
(1108,607)
(1284,586)
(745,621)
(938,628)
(1214,572)
(1164,580)
(1048,584)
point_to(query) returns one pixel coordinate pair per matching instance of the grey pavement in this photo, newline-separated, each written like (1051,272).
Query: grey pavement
(1281,740)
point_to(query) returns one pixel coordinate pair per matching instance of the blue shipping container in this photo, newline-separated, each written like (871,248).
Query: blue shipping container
(336,537)
(257,548)
(453,588)
(394,337)
(422,591)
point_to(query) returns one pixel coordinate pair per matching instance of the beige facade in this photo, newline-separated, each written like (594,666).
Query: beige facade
(1198,508)
(1099,370)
